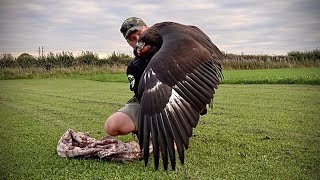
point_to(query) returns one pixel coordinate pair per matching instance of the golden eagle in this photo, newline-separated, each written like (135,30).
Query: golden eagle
(175,87)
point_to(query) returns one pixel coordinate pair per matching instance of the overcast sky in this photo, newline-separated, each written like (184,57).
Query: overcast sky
(235,26)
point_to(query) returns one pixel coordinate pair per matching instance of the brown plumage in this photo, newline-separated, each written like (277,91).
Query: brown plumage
(176,86)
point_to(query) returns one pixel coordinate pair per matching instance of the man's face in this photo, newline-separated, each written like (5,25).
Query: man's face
(133,37)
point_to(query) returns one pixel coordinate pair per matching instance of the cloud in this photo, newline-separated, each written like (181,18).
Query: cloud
(273,27)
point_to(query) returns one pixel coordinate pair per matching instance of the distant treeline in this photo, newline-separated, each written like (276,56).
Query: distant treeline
(292,59)
(62,60)
(230,61)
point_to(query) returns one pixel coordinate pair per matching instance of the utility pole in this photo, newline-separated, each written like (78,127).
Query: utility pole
(40,50)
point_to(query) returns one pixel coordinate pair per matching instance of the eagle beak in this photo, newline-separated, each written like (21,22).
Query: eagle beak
(139,46)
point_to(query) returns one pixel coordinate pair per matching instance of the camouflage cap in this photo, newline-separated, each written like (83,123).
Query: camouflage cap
(131,24)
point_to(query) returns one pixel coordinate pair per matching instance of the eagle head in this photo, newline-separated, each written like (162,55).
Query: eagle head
(148,44)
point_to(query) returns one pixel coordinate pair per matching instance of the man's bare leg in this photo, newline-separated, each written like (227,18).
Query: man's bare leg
(119,123)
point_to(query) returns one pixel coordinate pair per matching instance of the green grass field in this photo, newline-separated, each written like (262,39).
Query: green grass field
(116,74)
(273,76)
(253,132)
(259,76)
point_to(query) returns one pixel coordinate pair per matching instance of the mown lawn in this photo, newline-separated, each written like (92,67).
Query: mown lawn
(273,76)
(253,132)
(256,76)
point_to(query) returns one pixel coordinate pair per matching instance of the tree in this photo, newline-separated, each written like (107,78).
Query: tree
(26,60)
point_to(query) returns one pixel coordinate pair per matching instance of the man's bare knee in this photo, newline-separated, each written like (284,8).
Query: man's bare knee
(109,127)
(119,124)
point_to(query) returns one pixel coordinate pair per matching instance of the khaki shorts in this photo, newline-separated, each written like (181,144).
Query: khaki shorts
(132,109)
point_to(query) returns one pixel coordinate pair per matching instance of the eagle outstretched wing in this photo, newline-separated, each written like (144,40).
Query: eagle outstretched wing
(176,86)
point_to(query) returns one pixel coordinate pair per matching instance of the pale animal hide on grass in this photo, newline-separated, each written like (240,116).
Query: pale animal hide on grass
(79,144)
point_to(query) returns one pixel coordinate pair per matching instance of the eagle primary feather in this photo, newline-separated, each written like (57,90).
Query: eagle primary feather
(175,87)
